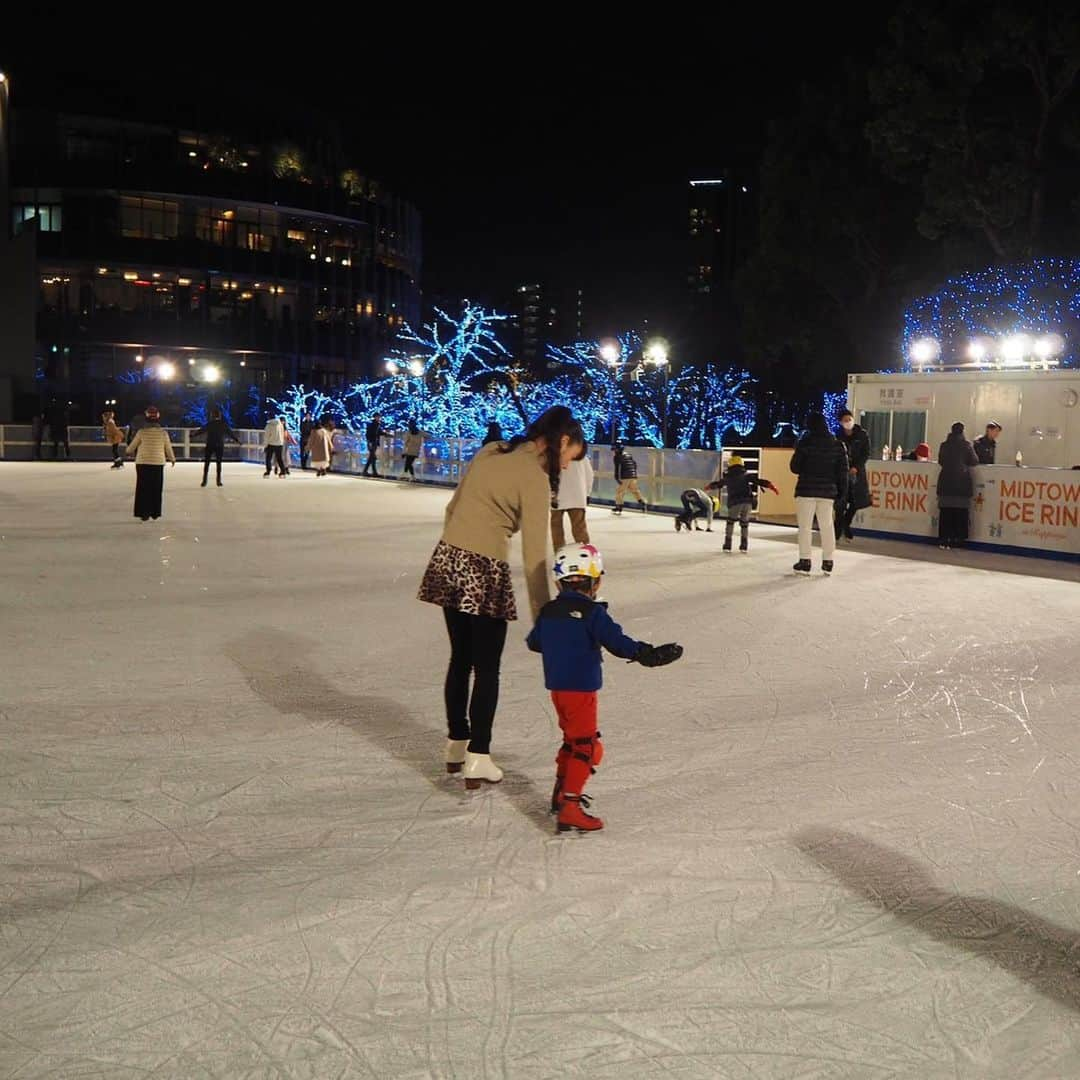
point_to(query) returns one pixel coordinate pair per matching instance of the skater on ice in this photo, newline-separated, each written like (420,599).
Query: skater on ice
(414,443)
(274,438)
(575,486)
(373,434)
(570,634)
(216,431)
(151,448)
(821,464)
(625,477)
(319,447)
(507,488)
(696,503)
(114,437)
(742,490)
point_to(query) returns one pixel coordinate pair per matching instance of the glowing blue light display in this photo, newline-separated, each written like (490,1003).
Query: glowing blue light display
(454,377)
(1040,297)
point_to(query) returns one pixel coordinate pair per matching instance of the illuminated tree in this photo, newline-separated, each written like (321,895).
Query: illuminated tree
(296,403)
(708,402)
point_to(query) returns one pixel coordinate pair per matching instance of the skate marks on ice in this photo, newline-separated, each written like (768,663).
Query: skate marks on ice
(1028,947)
(280,668)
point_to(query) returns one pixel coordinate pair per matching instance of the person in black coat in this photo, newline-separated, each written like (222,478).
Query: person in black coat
(57,416)
(37,432)
(372,434)
(985,447)
(216,432)
(955,487)
(742,490)
(821,464)
(625,468)
(307,426)
(857,444)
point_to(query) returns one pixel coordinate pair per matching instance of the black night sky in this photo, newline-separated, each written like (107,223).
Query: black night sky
(556,155)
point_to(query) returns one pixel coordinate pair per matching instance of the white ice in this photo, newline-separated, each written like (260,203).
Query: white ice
(842,833)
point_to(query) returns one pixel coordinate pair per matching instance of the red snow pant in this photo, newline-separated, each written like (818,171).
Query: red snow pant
(582,749)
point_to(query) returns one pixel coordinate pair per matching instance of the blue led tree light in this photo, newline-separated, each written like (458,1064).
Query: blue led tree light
(197,409)
(708,402)
(832,405)
(602,402)
(443,370)
(296,402)
(254,408)
(1037,298)
(358,405)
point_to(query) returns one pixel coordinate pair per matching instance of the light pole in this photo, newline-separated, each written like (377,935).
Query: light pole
(611,353)
(656,353)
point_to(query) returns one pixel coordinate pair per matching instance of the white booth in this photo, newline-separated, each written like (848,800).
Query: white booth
(1038,411)
(1033,509)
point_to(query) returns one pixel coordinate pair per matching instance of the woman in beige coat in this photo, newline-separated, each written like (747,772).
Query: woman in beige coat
(151,448)
(319,447)
(114,437)
(507,488)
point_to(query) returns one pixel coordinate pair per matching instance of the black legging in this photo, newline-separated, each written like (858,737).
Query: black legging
(372,458)
(117,453)
(845,515)
(409,459)
(476,646)
(273,454)
(215,453)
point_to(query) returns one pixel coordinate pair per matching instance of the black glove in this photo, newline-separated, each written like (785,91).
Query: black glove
(658,655)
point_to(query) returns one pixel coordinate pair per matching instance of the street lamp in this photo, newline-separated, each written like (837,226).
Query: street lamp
(925,350)
(166,370)
(416,367)
(611,354)
(211,373)
(656,353)
(1015,348)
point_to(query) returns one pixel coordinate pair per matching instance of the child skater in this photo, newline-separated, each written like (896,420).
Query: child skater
(742,489)
(569,633)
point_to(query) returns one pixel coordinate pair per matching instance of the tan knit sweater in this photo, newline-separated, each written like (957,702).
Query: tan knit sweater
(499,495)
(151,446)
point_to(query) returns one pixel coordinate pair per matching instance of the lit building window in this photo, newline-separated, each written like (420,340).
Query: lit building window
(49,218)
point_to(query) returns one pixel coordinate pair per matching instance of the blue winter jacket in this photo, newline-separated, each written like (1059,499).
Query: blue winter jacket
(569,633)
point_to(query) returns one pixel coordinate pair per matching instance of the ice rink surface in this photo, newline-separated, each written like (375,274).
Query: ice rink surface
(842,832)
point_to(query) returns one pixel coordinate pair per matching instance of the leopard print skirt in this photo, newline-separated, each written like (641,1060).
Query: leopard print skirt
(468,582)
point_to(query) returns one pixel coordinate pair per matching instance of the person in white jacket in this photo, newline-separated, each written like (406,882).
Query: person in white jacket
(575,486)
(274,438)
(151,448)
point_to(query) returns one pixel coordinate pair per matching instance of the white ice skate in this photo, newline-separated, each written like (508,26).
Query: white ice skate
(455,754)
(479,768)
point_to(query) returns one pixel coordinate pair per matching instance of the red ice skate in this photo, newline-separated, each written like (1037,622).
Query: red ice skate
(572,815)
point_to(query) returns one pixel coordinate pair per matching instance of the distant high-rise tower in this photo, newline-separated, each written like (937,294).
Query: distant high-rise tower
(542,317)
(721,228)
(720,237)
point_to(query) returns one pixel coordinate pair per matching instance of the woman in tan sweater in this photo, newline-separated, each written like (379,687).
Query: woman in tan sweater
(114,437)
(509,487)
(151,448)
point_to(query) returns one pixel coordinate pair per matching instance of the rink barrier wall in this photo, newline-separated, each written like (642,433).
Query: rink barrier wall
(663,475)
(973,545)
(88,444)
